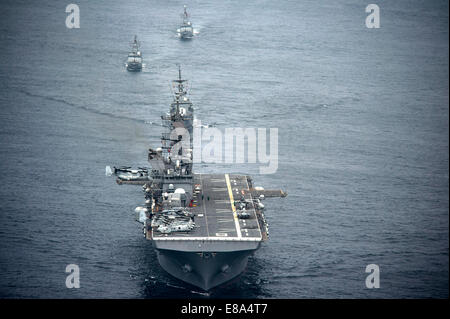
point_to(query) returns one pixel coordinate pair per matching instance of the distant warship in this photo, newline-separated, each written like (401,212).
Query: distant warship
(134,61)
(186,31)
(203,226)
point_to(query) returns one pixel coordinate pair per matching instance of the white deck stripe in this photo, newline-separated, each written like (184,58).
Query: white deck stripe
(204,210)
(230,193)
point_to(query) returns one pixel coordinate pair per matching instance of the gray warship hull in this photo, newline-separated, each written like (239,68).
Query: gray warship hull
(186,35)
(204,270)
(217,249)
(134,67)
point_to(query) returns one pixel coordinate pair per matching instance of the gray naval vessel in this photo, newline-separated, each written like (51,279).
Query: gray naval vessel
(134,60)
(203,226)
(186,30)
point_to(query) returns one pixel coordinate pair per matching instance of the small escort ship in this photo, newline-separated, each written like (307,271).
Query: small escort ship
(134,61)
(203,226)
(186,30)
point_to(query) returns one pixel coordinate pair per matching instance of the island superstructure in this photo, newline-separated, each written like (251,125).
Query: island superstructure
(203,226)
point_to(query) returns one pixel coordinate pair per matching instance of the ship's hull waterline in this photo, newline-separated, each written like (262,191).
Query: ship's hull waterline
(134,67)
(204,270)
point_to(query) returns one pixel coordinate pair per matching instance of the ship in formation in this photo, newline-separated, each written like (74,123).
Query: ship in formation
(186,30)
(134,60)
(202,226)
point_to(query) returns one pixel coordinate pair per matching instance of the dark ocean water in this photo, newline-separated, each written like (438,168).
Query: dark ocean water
(363,120)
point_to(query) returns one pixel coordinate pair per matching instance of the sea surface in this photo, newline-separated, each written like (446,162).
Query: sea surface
(362,117)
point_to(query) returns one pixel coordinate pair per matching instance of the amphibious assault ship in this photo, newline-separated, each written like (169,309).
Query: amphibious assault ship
(203,226)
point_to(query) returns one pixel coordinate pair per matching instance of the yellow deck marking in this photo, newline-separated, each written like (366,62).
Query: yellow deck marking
(230,193)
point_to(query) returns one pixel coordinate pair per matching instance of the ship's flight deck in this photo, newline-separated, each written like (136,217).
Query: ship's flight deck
(216,215)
